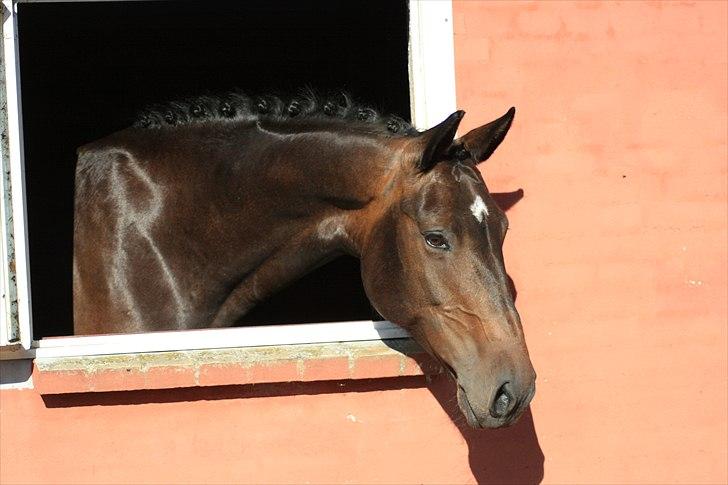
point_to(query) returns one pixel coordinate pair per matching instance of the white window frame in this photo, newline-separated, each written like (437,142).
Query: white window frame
(16,317)
(432,99)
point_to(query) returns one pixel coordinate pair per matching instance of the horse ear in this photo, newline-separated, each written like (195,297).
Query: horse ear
(436,141)
(482,142)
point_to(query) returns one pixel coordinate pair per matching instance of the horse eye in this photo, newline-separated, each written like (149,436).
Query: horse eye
(437,241)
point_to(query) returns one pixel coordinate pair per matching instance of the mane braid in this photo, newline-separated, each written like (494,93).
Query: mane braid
(237,106)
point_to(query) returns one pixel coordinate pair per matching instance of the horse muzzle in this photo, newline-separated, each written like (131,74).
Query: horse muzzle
(499,407)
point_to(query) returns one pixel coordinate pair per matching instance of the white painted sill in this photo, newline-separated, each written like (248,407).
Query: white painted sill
(181,340)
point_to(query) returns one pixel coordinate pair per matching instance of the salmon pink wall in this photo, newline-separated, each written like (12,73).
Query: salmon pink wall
(618,248)
(618,252)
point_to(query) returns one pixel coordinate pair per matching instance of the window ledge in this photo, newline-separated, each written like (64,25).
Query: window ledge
(232,366)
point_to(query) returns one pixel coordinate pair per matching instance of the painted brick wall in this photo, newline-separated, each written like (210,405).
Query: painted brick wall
(618,248)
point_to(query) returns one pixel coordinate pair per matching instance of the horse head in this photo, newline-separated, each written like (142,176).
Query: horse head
(432,262)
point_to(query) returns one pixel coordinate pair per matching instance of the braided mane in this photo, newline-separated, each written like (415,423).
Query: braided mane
(237,106)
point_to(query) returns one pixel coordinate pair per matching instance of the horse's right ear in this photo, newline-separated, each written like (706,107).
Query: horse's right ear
(435,142)
(482,142)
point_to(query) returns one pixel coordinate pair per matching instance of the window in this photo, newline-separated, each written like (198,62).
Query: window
(117,57)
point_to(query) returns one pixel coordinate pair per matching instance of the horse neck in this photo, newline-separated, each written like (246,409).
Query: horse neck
(326,180)
(306,202)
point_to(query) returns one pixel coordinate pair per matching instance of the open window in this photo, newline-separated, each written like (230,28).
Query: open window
(77,71)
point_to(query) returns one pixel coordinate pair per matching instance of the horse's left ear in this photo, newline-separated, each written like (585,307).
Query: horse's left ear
(435,142)
(482,142)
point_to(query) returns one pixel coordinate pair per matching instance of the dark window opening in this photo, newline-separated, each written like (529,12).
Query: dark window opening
(87,68)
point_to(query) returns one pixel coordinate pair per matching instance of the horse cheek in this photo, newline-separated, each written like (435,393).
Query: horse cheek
(383,275)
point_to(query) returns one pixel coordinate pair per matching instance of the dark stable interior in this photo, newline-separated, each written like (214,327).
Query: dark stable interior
(87,68)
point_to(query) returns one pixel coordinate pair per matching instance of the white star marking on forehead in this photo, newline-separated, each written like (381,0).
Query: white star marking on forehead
(479,209)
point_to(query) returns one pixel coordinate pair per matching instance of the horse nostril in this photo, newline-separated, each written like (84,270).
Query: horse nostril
(502,402)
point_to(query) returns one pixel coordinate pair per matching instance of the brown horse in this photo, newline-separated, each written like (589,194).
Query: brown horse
(205,208)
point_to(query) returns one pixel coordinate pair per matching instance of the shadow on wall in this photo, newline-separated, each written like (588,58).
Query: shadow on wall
(217,393)
(505,201)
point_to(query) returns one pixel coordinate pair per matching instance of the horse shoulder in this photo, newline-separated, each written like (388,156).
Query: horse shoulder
(116,204)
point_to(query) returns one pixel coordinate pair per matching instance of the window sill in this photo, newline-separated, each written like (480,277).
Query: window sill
(232,366)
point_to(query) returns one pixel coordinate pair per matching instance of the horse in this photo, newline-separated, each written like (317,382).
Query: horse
(203,208)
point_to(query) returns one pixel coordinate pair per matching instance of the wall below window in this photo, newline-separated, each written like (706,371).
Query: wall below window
(618,253)
(368,431)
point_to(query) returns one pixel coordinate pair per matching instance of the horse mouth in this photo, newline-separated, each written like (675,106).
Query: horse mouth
(467,409)
(489,421)
(462,397)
